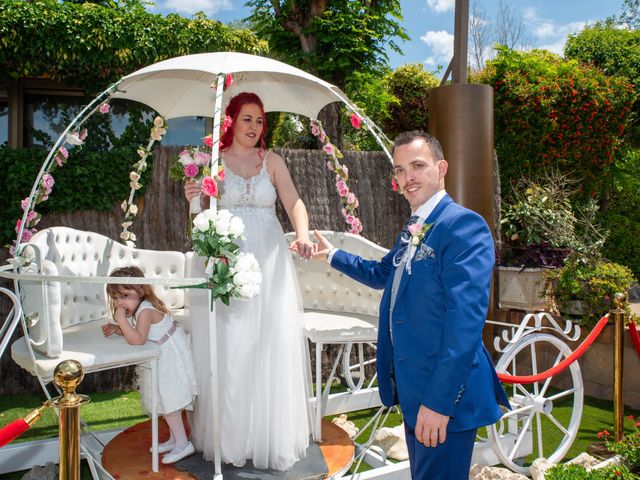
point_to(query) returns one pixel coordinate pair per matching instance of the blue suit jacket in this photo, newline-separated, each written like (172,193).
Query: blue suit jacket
(437,357)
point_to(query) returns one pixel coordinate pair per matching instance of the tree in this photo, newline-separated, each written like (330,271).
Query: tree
(510,30)
(480,33)
(330,38)
(630,16)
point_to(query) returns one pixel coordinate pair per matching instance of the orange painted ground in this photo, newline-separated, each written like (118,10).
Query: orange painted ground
(127,456)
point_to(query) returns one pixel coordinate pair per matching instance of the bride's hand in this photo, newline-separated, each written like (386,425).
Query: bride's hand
(192,189)
(303,247)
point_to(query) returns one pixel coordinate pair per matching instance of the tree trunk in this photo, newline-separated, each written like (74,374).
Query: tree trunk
(330,118)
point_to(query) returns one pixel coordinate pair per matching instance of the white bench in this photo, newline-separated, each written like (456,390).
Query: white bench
(338,310)
(63,318)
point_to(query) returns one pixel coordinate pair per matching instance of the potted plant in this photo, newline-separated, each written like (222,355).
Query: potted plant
(539,230)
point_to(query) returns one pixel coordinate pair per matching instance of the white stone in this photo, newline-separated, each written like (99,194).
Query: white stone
(584,459)
(392,441)
(42,472)
(539,468)
(495,473)
(347,425)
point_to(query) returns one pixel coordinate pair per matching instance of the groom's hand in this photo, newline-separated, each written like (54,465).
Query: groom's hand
(323,247)
(431,427)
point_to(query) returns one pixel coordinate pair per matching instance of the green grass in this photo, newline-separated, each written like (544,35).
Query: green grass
(120,409)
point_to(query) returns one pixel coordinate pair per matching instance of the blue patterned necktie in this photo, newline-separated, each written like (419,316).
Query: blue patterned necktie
(405,230)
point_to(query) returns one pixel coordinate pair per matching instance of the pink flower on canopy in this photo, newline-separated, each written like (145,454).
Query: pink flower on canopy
(394,184)
(191,170)
(202,158)
(209,187)
(32,215)
(344,212)
(328,149)
(226,123)
(18,223)
(59,160)
(315,128)
(104,108)
(356,222)
(64,152)
(356,121)
(221,174)
(83,134)
(47,182)
(351,198)
(350,219)
(343,192)
(228,80)
(345,170)
(355,231)
(24,203)
(26,235)
(330,165)
(208,141)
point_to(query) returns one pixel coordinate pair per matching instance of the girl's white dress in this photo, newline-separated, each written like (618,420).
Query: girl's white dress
(261,353)
(177,386)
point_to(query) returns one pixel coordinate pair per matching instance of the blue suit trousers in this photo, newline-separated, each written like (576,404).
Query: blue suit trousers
(450,460)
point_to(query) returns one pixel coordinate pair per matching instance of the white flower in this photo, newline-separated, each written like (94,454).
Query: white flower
(241,278)
(127,224)
(123,206)
(158,121)
(210,214)
(222,225)
(236,227)
(134,176)
(132,237)
(201,222)
(73,138)
(125,235)
(134,185)
(133,209)
(131,244)
(185,158)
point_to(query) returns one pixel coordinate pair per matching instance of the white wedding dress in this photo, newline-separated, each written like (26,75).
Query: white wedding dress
(263,384)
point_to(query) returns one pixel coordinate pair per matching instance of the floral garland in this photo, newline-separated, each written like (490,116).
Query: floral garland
(75,138)
(129,208)
(349,201)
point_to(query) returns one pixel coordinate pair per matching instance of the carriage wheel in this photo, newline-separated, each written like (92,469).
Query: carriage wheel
(354,373)
(545,415)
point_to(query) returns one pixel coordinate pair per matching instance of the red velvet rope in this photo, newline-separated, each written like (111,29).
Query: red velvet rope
(634,337)
(12,431)
(577,353)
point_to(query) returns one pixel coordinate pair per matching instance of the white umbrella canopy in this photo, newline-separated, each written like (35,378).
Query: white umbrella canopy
(181,86)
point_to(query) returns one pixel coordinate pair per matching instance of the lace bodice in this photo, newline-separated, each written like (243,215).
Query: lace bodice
(240,192)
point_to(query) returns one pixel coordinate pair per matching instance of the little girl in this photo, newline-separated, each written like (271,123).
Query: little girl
(141,316)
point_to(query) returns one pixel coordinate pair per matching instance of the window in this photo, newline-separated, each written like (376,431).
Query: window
(47,114)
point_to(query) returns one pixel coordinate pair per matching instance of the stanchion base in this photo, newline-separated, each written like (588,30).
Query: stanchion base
(127,456)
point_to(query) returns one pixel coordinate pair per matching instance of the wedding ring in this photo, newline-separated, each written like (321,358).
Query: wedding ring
(434,434)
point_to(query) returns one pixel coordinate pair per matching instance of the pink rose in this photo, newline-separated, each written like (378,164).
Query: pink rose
(344,212)
(226,124)
(345,170)
(208,141)
(64,152)
(415,229)
(343,192)
(356,222)
(228,80)
(202,158)
(191,170)
(104,108)
(221,174)
(83,134)
(350,219)
(328,149)
(355,231)
(47,182)
(32,215)
(315,129)
(351,198)
(330,166)
(26,235)
(209,187)
(356,121)
(24,203)
(18,223)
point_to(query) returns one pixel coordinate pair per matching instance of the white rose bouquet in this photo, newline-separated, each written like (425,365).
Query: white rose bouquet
(230,273)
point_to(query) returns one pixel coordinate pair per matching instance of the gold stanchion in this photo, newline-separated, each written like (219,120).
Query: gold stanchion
(620,301)
(68,375)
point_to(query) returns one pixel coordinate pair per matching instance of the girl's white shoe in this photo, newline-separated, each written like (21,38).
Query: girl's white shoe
(174,455)
(165,447)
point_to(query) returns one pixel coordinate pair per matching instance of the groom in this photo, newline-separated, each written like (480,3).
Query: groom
(436,282)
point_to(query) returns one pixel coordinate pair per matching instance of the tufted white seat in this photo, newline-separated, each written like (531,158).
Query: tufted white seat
(64,319)
(339,310)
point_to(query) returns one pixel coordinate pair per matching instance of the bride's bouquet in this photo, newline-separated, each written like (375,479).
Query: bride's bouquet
(230,273)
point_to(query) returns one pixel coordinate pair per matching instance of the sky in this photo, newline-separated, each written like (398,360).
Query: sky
(429,23)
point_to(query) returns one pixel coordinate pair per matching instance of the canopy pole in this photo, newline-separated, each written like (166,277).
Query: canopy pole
(213,335)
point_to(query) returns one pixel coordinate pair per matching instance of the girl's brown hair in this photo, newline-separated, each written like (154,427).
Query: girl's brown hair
(145,291)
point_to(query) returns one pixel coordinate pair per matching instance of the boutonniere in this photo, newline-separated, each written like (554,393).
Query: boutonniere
(418,232)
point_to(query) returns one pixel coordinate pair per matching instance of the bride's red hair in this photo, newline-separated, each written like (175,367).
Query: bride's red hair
(232,111)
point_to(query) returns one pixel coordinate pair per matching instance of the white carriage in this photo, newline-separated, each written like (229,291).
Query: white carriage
(60,274)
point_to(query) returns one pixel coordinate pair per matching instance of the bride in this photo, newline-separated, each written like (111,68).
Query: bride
(261,352)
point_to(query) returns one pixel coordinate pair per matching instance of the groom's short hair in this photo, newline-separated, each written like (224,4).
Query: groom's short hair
(432,142)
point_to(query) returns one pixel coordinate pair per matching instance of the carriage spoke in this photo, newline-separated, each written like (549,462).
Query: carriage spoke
(562,394)
(558,424)
(526,392)
(534,367)
(547,382)
(539,430)
(521,436)
(516,411)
